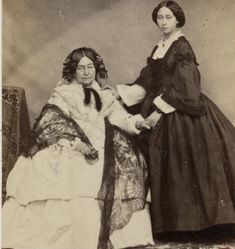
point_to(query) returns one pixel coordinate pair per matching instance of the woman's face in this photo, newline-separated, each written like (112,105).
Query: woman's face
(85,73)
(166,21)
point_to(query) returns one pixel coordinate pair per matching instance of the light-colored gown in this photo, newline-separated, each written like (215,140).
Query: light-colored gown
(52,196)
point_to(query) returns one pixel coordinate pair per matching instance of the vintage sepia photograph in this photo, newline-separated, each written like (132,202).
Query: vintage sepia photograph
(118,124)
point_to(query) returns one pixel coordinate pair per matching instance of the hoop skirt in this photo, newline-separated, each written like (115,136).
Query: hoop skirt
(57,200)
(191,152)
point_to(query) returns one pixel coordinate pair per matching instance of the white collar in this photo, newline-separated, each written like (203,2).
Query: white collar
(95,85)
(163,46)
(169,41)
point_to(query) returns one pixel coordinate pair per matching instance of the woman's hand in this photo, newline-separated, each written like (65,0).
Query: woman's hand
(153,118)
(82,147)
(91,155)
(142,125)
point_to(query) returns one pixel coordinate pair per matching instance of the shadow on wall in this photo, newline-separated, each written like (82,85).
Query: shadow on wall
(38,35)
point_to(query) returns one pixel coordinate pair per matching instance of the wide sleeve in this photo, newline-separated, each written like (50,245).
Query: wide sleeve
(117,115)
(131,94)
(184,92)
(146,76)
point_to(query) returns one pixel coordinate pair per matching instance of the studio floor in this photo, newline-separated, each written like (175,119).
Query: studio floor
(220,237)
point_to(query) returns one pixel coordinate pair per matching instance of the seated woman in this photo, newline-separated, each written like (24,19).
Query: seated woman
(83,184)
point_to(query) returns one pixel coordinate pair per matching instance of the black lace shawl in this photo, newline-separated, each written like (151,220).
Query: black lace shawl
(54,124)
(51,126)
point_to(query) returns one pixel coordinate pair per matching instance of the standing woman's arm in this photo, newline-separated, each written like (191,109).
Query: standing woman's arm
(184,94)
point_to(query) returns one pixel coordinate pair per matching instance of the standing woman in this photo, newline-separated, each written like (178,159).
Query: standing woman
(191,146)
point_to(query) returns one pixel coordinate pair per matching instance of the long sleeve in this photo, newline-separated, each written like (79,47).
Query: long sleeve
(146,76)
(184,93)
(56,125)
(53,126)
(131,94)
(118,116)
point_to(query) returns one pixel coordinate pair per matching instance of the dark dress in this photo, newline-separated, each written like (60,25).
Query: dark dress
(191,151)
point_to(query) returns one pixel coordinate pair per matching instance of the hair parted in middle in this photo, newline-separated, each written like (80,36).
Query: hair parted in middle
(175,9)
(71,62)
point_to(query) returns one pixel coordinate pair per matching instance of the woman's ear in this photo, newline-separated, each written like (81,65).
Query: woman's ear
(99,79)
(102,82)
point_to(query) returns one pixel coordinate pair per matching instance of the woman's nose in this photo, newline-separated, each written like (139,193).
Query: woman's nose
(86,71)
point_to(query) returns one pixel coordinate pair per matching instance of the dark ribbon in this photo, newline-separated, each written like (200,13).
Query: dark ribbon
(87,99)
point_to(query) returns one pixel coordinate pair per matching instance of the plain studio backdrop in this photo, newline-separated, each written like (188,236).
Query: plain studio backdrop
(39,34)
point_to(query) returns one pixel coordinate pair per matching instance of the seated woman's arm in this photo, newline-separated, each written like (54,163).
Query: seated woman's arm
(118,116)
(55,127)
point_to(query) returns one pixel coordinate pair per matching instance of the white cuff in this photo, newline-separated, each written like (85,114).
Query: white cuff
(162,105)
(131,95)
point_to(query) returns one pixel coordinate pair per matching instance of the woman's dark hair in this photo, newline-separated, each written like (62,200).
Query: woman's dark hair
(71,62)
(175,9)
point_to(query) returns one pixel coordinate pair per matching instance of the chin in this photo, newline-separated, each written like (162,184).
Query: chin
(87,83)
(166,31)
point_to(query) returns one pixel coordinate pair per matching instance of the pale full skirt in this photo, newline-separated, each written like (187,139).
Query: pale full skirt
(52,205)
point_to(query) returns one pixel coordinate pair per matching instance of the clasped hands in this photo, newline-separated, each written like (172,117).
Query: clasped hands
(149,122)
(152,120)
